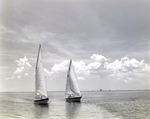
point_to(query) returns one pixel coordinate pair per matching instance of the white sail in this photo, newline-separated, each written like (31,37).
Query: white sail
(39,77)
(72,85)
(68,90)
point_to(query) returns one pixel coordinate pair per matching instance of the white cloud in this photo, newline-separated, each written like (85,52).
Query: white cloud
(125,69)
(19,70)
(47,73)
(80,65)
(61,66)
(125,64)
(23,62)
(116,65)
(129,70)
(26,74)
(97,57)
(80,78)
(22,70)
(82,69)
(94,65)
(61,69)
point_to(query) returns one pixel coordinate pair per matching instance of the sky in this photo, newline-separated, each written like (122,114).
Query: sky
(107,40)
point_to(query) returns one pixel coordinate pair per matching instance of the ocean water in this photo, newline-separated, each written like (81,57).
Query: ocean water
(94,105)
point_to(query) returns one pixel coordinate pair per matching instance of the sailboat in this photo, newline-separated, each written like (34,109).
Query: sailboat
(72,88)
(41,96)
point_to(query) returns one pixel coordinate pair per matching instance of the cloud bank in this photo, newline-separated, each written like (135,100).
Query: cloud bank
(125,70)
(98,70)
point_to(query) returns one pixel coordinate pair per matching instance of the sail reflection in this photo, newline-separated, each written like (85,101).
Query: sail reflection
(41,111)
(72,109)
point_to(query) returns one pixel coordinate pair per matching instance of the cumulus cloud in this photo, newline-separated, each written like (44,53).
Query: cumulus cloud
(82,69)
(129,69)
(94,65)
(22,70)
(60,67)
(57,71)
(47,73)
(126,64)
(97,57)
(125,69)
(60,70)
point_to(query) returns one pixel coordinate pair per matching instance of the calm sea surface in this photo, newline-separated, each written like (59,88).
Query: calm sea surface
(94,105)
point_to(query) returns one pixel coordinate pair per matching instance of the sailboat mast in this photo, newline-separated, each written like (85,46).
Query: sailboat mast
(69,74)
(38,55)
(68,82)
(69,67)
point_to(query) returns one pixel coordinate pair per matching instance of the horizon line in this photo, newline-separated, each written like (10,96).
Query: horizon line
(81,91)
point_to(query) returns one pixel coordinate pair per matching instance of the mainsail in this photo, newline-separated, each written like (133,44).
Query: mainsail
(40,85)
(72,85)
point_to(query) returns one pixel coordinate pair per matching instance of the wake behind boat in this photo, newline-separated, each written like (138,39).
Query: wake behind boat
(72,88)
(41,96)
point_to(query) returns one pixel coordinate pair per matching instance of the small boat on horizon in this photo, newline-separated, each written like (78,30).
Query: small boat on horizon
(41,96)
(72,89)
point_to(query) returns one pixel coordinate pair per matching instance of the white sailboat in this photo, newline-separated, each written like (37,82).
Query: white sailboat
(72,88)
(41,96)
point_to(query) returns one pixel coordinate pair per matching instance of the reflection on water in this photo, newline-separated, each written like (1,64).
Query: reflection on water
(72,109)
(41,110)
(97,105)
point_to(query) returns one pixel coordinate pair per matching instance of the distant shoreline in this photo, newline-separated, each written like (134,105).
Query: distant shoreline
(83,91)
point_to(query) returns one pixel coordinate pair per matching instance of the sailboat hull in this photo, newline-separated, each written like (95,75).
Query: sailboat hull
(73,99)
(41,101)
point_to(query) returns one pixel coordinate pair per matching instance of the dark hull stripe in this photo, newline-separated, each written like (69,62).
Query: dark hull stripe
(41,101)
(75,99)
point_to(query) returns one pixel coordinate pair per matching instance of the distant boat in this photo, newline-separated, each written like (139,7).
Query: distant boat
(41,96)
(72,88)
